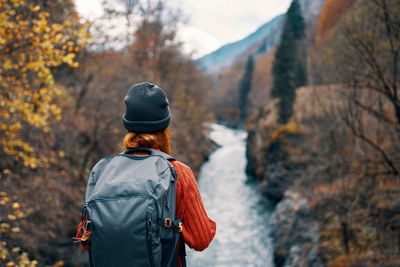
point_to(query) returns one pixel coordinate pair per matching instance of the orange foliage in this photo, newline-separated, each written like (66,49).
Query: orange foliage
(331,13)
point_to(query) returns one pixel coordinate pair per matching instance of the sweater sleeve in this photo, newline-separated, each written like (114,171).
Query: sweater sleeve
(198,228)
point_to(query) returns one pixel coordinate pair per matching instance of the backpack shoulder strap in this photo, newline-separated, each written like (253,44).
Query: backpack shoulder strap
(155,152)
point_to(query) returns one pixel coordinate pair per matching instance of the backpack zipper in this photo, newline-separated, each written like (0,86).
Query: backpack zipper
(149,242)
(84,212)
(122,197)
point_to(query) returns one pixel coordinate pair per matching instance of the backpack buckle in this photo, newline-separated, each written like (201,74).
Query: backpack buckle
(167,222)
(179,228)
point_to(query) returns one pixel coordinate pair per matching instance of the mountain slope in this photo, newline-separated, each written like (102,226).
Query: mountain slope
(224,56)
(262,40)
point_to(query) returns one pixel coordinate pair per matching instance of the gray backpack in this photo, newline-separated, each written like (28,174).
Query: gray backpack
(130,211)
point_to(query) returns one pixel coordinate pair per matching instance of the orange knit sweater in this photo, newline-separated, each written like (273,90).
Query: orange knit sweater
(198,228)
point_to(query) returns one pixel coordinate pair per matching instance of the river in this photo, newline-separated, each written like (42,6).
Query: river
(240,211)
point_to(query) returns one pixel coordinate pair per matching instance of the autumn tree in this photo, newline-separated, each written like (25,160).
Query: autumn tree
(155,56)
(288,70)
(330,14)
(362,48)
(61,105)
(346,162)
(366,52)
(38,39)
(31,48)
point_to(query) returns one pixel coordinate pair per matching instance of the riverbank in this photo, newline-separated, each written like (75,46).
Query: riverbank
(333,205)
(276,158)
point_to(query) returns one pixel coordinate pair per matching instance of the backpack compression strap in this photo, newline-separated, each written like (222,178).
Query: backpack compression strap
(177,227)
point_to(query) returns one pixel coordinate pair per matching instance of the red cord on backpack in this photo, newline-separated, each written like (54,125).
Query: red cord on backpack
(83,234)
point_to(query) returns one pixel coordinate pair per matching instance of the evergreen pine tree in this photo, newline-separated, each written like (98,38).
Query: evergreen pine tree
(300,75)
(295,20)
(245,88)
(288,70)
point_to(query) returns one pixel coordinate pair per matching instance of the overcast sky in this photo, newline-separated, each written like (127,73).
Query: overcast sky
(211,23)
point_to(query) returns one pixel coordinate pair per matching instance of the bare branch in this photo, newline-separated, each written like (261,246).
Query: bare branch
(366,139)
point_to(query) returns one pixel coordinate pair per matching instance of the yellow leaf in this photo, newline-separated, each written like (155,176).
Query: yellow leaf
(75,65)
(4,227)
(52,235)
(59,263)
(7,65)
(15,230)
(68,58)
(35,8)
(19,213)
(57,27)
(24,259)
(15,205)
(12,217)
(58,37)
(15,249)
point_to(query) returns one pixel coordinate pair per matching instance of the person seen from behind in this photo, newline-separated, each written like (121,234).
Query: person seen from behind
(146,120)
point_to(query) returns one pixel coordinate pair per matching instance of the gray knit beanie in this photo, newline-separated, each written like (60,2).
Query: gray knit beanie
(147,109)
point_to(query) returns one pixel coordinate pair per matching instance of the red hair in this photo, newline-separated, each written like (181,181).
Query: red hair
(157,140)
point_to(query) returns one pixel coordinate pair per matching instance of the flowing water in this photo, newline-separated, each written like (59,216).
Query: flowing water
(240,211)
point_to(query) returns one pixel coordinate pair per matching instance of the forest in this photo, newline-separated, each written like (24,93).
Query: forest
(61,106)
(321,109)
(331,136)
